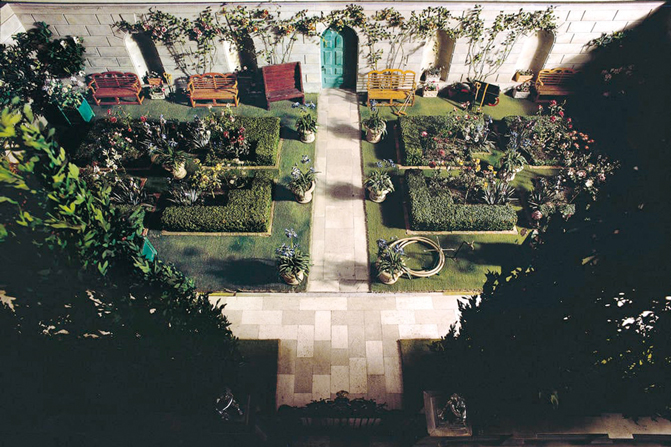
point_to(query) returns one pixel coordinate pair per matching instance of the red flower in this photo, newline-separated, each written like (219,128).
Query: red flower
(432,164)
(561,113)
(113,119)
(143,119)
(553,103)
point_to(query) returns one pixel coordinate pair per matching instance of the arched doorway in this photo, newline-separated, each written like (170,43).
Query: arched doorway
(338,58)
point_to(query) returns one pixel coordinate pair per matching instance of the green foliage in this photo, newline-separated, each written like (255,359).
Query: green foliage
(435,213)
(443,140)
(379,181)
(291,260)
(87,247)
(26,66)
(247,210)
(301,181)
(306,123)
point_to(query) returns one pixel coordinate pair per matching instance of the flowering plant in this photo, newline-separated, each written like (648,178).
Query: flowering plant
(301,181)
(523,87)
(68,96)
(378,180)
(430,86)
(374,123)
(227,139)
(390,259)
(291,260)
(434,70)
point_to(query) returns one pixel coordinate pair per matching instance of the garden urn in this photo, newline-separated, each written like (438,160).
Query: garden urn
(293,280)
(377,196)
(388,278)
(307,137)
(178,171)
(306,197)
(375,135)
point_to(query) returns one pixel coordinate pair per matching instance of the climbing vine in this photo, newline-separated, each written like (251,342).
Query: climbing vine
(488,46)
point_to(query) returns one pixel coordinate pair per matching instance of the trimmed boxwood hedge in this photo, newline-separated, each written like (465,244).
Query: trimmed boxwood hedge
(247,210)
(436,213)
(264,132)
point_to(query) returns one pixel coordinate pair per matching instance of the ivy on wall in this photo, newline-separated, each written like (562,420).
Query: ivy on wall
(488,45)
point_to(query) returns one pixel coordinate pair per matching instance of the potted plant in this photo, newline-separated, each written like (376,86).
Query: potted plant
(156,88)
(433,73)
(171,158)
(292,263)
(523,75)
(69,99)
(390,262)
(378,183)
(510,164)
(522,91)
(375,126)
(430,89)
(303,183)
(306,125)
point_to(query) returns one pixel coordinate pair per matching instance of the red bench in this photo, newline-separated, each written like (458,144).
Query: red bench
(283,82)
(211,87)
(116,85)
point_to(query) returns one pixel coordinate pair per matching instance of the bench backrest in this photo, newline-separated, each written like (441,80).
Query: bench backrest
(391,79)
(282,77)
(556,76)
(213,81)
(115,79)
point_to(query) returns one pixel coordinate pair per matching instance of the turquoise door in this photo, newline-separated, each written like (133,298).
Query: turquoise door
(338,53)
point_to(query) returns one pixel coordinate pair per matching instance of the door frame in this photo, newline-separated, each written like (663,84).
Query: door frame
(350,56)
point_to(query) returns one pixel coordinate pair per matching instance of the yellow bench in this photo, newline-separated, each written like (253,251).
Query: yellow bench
(555,82)
(391,85)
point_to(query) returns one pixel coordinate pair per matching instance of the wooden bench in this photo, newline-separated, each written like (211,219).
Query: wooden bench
(391,84)
(283,82)
(116,85)
(212,87)
(555,82)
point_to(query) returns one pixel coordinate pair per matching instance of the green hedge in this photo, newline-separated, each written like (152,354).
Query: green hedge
(264,132)
(247,210)
(437,213)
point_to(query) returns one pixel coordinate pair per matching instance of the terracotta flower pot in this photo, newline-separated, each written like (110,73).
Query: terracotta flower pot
(293,280)
(306,197)
(307,137)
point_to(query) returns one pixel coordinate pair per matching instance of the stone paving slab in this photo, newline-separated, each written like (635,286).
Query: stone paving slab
(339,341)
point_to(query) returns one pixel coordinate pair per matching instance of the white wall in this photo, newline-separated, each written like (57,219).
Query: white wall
(10,24)
(578,23)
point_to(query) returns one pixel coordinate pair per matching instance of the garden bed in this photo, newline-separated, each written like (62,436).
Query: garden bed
(434,209)
(216,139)
(241,211)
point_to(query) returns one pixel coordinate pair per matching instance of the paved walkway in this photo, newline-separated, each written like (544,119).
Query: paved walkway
(346,341)
(338,247)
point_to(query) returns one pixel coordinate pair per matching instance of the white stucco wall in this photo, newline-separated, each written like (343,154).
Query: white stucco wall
(578,21)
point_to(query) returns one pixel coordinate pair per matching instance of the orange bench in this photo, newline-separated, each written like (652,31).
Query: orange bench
(212,87)
(555,82)
(116,85)
(283,81)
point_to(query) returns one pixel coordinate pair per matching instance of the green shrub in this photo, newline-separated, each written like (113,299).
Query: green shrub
(430,212)
(127,211)
(410,129)
(265,134)
(247,210)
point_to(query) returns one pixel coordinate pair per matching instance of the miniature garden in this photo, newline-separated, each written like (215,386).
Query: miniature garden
(481,183)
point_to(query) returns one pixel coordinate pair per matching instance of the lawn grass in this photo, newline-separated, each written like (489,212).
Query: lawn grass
(238,263)
(491,253)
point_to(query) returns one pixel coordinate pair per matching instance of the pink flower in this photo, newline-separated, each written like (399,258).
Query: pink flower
(424,134)
(553,103)
(553,119)
(432,164)
(441,152)
(601,177)
(561,113)
(537,215)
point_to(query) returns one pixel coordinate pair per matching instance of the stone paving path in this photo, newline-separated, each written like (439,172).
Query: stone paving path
(347,341)
(338,247)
